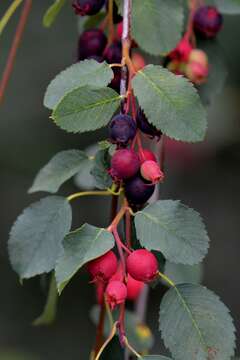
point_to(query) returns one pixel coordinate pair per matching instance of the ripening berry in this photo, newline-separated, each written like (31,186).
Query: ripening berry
(117,18)
(87,7)
(102,268)
(151,171)
(182,51)
(134,288)
(91,43)
(147,155)
(142,265)
(122,129)
(138,191)
(145,126)
(208,21)
(116,293)
(119,30)
(124,164)
(197,67)
(113,53)
(138,61)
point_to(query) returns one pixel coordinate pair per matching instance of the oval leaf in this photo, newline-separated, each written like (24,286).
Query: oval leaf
(100,169)
(180,273)
(80,246)
(230,7)
(52,12)
(155,357)
(60,168)
(87,72)
(195,324)
(36,237)
(171,103)
(158,35)
(174,229)
(86,109)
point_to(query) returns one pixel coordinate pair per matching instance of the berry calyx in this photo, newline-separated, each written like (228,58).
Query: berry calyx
(138,191)
(182,50)
(147,155)
(87,7)
(116,293)
(103,268)
(91,43)
(208,21)
(151,171)
(145,126)
(142,265)
(197,67)
(134,288)
(113,53)
(138,61)
(122,129)
(124,164)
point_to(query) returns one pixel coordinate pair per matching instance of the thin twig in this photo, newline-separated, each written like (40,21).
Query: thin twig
(15,45)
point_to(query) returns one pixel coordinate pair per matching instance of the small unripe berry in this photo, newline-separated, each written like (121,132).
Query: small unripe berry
(134,288)
(142,265)
(138,61)
(103,268)
(91,43)
(87,7)
(182,51)
(116,293)
(151,171)
(124,164)
(138,191)
(122,129)
(197,68)
(208,21)
(145,126)
(147,155)
(113,53)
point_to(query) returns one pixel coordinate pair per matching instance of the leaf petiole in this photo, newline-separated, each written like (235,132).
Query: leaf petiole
(8,14)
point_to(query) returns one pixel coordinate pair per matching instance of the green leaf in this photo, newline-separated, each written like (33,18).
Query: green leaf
(100,169)
(60,168)
(155,357)
(36,237)
(80,246)
(171,103)
(139,335)
(174,229)
(230,7)
(84,179)
(86,109)
(52,12)
(87,72)
(195,324)
(180,273)
(50,309)
(157,24)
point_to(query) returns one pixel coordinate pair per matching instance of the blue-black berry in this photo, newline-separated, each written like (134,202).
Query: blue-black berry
(91,43)
(138,191)
(113,53)
(87,7)
(208,21)
(145,126)
(122,129)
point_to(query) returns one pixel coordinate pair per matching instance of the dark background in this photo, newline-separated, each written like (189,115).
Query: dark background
(206,178)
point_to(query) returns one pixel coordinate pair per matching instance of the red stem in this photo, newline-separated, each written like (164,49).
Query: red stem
(15,45)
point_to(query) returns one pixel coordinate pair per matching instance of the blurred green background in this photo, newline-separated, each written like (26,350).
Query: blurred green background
(205,177)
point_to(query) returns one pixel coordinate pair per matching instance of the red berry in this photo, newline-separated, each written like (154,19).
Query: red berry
(142,265)
(208,21)
(116,293)
(102,268)
(138,61)
(134,288)
(91,43)
(148,155)
(120,30)
(124,164)
(87,7)
(151,171)
(182,50)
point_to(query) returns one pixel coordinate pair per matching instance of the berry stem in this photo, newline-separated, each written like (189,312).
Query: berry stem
(15,44)
(111,33)
(110,337)
(89,193)
(8,14)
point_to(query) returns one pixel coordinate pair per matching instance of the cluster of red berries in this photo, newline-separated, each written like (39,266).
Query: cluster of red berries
(117,286)
(185,59)
(139,172)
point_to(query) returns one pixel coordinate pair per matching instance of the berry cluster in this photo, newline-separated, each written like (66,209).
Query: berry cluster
(186,59)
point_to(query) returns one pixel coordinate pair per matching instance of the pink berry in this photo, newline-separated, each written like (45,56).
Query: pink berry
(182,50)
(116,293)
(120,30)
(197,67)
(102,268)
(134,288)
(124,164)
(147,155)
(142,265)
(151,171)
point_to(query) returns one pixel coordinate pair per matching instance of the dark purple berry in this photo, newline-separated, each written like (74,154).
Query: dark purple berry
(138,191)
(91,43)
(125,163)
(87,7)
(117,18)
(122,129)
(113,53)
(208,21)
(115,83)
(145,126)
